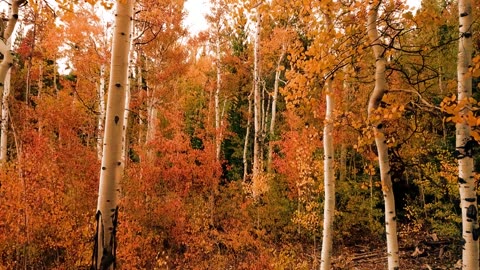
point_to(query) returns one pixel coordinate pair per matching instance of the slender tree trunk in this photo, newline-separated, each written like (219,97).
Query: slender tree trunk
(152,115)
(276,85)
(329,180)
(464,142)
(4,124)
(140,88)
(40,80)
(128,94)
(55,87)
(111,170)
(343,163)
(247,136)
(218,127)
(101,112)
(152,123)
(380,141)
(5,65)
(257,110)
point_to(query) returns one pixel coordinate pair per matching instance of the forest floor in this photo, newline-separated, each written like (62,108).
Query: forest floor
(417,251)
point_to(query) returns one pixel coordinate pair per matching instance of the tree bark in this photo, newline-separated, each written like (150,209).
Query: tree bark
(101,112)
(4,125)
(276,86)
(329,180)
(464,142)
(112,169)
(257,117)
(380,141)
(218,127)
(247,136)
(5,65)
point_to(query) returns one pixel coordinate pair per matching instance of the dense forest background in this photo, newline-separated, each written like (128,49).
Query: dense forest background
(197,193)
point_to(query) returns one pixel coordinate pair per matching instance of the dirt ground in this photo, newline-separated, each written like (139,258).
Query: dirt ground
(417,251)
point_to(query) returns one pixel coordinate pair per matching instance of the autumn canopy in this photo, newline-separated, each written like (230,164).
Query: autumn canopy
(287,135)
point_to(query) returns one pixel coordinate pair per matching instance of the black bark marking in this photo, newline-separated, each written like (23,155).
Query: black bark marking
(122,33)
(109,256)
(469,147)
(461,180)
(470,199)
(472,212)
(116,119)
(15,16)
(107,260)
(458,155)
(119,163)
(118,85)
(463,14)
(104,168)
(467,35)
(95,242)
(475,234)
(380,126)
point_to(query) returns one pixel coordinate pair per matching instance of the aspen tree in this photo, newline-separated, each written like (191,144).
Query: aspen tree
(257,116)
(379,133)
(112,169)
(217,21)
(273,118)
(464,141)
(4,124)
(101,112)
(8,28)
(247,135)
(329,179)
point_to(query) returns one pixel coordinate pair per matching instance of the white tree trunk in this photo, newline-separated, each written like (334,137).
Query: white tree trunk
(5,65)
(329,180)
(276,86)
(101,112)
(4,124)
(152,123)
(125,125)
(112,169)
(218,127)
(382,148)
(257,110)
(464,142)
(140,113)
(247,136)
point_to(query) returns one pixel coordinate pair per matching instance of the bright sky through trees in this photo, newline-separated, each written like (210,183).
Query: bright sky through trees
(195,20)
(197,9)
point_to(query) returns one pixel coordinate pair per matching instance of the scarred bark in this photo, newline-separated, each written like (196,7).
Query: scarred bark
(112,168)
(467,185)
(380,141)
